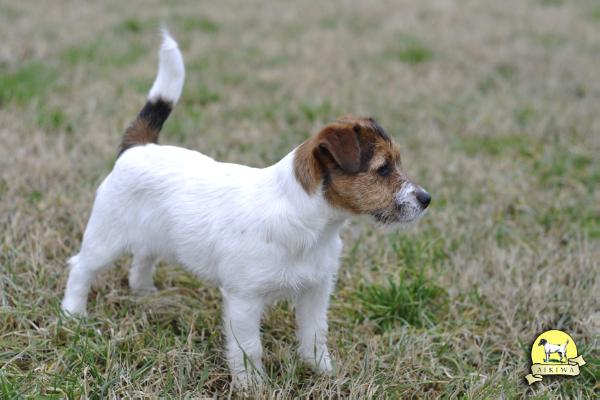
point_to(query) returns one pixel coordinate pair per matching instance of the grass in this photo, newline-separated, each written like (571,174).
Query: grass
(410,51)
(104,53)
(25,83)
(494,105)
(201,24)
(407,301)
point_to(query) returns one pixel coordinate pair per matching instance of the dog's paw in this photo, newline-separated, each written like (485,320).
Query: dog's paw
(144,290)
(325,366)
(322,364)
(247,379)
(74,308)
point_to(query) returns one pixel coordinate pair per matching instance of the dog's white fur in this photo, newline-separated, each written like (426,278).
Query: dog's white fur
(255,233)
(171,71)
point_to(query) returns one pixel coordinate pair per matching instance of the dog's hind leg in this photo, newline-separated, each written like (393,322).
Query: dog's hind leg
(140,274)
(85,266)
(100,247)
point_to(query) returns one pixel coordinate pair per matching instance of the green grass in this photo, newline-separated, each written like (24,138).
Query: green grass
(495,111)
(25,84)
(411,301)
(103,53)
(53,119)
(410,50)
(518,143)
(201,24)
(82,53)
(588,221)
(551,2)
(132,25)
(202,95)
(316,112)
(413,298)
(594,14)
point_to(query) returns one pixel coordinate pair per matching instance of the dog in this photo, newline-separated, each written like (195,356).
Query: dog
(260,235)
(550,348)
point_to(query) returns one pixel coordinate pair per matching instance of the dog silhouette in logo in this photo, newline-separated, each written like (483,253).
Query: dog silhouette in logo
(549,348)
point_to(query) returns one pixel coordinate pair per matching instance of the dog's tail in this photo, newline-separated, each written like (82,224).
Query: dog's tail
(165,92)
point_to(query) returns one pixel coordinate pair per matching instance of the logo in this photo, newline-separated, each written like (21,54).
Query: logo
(554,353)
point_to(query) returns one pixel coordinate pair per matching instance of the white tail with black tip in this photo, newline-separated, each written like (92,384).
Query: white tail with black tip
(163,95)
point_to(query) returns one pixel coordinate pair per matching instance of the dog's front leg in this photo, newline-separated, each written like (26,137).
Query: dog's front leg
(242,317)
(311,318)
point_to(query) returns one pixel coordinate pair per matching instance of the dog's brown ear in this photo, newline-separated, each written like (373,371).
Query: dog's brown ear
(341,142)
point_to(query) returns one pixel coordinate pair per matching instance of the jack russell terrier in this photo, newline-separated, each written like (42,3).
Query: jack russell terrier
(549,348)
(259,234)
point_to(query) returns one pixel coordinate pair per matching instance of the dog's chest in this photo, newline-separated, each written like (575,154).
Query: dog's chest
(283,273)
(290,280)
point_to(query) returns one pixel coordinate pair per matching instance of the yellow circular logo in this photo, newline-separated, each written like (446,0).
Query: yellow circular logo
(554,353)
(553,347)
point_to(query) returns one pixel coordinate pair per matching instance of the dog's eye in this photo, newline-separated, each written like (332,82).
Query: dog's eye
(384,170)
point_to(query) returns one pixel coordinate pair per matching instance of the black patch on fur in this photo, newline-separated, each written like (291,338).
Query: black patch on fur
(147,125)
(156,113)
(366,154)
(378,129)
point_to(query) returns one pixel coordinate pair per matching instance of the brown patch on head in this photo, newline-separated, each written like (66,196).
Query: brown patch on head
(357,163)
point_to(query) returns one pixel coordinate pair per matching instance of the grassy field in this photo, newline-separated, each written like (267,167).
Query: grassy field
(495,106)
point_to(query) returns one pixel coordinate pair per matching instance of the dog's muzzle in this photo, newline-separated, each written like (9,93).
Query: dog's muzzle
(409,204)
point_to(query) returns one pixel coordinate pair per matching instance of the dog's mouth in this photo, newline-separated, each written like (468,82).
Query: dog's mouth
(403,213)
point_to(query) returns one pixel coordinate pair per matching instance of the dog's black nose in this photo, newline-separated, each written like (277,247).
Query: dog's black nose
(424,198)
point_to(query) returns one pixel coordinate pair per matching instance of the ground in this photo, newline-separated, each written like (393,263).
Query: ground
(495,107)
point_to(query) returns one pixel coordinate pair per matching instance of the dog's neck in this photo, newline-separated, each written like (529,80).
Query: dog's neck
(311,216)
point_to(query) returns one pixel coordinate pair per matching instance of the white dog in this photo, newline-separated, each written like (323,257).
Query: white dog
(549,348)
(258,234)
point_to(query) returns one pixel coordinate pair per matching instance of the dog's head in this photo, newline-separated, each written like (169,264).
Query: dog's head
(542,342)
(358,167)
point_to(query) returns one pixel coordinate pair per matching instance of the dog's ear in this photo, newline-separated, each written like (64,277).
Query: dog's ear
(340,141)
